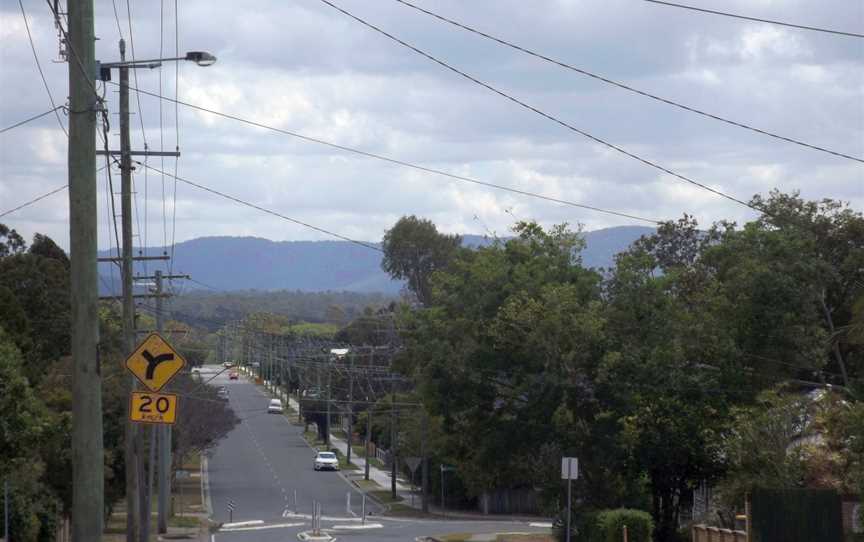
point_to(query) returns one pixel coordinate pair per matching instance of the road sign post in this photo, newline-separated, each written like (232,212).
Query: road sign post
(413,463)
(569,472)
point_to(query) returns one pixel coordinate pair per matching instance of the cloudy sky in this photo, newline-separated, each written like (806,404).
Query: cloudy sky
(299,65)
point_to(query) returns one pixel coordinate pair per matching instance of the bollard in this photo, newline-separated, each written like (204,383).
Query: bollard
(348,503)
(363,509)
(625,533)
(295,501)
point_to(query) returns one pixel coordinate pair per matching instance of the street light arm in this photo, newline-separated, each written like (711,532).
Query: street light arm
(202,58)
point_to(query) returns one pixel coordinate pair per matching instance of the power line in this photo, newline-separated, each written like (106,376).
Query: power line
(34,200)
(758,20)
(543,114)
(628,87)
(397,161)
(31,119)
(264,209)
(117,19)
(39,67)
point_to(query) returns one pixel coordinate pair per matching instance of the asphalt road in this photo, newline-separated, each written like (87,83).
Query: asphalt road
(264,460)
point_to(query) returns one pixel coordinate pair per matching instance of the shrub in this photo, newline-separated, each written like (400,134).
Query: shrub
(610,526)
(607,526)
(583,526)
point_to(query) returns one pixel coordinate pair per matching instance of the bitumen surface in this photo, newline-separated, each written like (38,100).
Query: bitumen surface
(264,460)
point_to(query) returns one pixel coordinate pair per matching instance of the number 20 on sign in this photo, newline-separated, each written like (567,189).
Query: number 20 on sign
(146,407)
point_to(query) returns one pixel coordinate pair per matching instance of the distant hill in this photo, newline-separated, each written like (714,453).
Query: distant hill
(252,263)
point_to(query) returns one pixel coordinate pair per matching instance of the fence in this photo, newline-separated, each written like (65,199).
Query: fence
(796,515)
(509,501)
(704,533)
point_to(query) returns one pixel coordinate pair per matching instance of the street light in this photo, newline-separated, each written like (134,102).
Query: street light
(201,58)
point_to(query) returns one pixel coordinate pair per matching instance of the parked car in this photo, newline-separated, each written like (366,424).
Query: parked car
(275,407)
(233,375)
(222,392)
(326,460)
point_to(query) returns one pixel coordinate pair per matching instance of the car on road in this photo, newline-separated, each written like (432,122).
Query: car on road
(326,460)
(222,392)
(233,375)
(275,407)
(227,364)
(196,370)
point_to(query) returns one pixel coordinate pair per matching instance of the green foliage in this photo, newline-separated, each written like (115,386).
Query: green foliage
(651,373)
(414,251)
(212,310)
(610,525)
(25,427)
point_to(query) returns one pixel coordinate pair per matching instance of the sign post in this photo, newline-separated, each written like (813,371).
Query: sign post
(413,463)
(569,472)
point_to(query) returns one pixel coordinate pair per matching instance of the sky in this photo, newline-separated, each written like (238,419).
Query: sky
(304,67)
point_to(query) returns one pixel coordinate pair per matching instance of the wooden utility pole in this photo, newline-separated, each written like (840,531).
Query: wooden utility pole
(164,431)
(87,449)
(393,447)
(368,441)
(350,438)
(327,420)
(424,442)
(132,448)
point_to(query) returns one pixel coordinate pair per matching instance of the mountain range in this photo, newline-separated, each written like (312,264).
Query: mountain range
(252,263)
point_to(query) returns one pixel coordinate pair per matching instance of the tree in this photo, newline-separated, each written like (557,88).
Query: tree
(10,242)
(510,336)
(24,426)
(414,251)
(36,284)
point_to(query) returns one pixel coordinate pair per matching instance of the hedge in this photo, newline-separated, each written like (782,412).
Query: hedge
(610,525)
(607,526)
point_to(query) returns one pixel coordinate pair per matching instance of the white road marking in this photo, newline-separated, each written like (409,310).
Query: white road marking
(242,523)
(262,527)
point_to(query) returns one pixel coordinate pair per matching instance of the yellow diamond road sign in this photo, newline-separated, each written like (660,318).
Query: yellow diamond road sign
(154,362)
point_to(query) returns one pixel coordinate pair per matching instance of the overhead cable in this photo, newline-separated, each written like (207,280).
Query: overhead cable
(30,119)
(757,19)
(263,209)
(34,200)
(39,67)
(545,115)
(396,161)
(628,87)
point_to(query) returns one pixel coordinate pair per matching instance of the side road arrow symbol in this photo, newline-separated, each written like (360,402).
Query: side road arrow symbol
(153,362)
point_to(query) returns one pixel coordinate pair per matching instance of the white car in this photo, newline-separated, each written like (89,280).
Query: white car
(275,407)
(326,460)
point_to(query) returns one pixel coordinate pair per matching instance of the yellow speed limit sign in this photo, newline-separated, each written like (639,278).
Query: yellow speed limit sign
(146,407)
